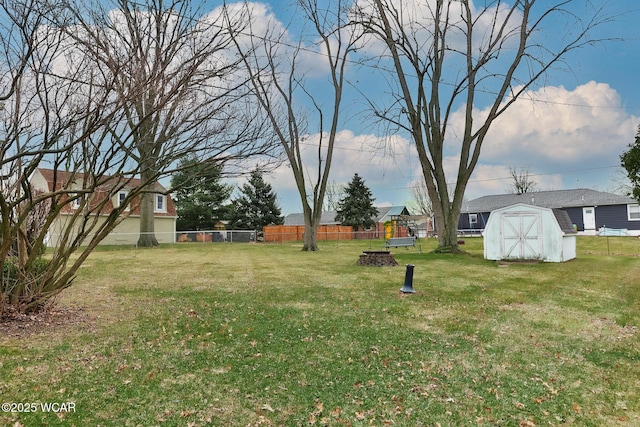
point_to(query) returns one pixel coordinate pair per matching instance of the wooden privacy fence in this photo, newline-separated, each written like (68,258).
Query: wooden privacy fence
(288,233)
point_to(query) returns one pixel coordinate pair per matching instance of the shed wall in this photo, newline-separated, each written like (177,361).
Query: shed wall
(543,240)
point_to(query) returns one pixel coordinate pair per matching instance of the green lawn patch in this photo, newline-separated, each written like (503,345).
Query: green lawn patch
(253,334)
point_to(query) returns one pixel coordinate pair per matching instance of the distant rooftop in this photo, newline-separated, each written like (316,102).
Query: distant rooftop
(329,217)
(556,199)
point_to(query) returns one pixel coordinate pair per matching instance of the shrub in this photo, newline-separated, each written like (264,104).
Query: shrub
(26,290)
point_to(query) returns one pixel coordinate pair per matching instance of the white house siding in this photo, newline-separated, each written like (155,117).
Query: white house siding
(38,181)
(126,233)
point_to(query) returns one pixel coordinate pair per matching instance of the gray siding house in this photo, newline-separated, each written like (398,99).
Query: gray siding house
(589,210)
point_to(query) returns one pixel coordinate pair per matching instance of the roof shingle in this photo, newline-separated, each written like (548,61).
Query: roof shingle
(555,199)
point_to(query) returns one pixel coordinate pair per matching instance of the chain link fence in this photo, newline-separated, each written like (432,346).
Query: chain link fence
(283,235)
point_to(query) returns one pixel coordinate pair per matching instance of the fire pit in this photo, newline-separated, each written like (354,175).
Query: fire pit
(377,259)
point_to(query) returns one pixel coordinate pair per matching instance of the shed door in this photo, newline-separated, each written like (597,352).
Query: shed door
(521,236)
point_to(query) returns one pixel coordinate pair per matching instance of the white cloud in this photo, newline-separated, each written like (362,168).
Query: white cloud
(386,165)
(559,126)
(566,138)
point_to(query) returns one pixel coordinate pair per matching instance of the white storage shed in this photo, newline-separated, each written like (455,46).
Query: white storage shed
(525,232)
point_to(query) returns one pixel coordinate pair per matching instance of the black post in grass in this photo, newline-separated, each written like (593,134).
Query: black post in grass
(407,288)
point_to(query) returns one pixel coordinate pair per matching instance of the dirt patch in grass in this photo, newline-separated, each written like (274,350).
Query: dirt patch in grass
(50,320)
(604,329)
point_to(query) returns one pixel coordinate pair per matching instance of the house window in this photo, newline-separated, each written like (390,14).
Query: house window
(473,218)
(122,196)
(161,203)
(75,203)
(633,212)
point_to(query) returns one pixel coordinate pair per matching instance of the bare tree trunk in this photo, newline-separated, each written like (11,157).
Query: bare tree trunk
(447,229)
(148,176)
(147,221)
(310,236)
(70,137)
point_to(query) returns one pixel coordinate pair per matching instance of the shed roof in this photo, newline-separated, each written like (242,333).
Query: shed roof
(564,221)
(561,216)
(555,199)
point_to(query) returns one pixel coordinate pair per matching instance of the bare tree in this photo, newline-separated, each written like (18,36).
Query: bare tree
(620,183)
(48,117)
(522,181)
(177,83)
(278,83)
(450,53)
(421,201)
(65,117)
(334,193)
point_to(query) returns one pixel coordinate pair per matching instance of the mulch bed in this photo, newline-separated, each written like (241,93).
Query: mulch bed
(377,259)
(14,324)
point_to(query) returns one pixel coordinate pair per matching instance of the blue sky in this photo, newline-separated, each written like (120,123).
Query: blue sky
(571,136)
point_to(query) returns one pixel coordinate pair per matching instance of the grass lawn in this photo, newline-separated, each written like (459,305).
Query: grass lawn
(261,335)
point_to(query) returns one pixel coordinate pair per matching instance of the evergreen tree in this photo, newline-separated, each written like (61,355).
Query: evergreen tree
(356,207)
(256,206)
(630,161)
(199,195)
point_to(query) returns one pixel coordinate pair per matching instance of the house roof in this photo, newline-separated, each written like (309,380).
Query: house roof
(60,179)
(329,217)
(387,212)
(556,199)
